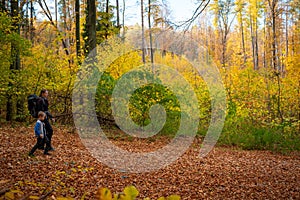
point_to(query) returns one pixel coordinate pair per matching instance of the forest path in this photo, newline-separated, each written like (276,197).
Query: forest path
(71,171)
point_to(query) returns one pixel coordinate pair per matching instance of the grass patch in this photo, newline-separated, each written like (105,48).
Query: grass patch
(250,137)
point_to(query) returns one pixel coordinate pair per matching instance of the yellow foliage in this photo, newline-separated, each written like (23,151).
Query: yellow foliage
(129,193)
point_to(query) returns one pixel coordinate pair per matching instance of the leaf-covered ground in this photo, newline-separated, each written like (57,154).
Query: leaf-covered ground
(71,171)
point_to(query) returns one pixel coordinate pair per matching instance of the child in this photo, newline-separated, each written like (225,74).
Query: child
(40,133)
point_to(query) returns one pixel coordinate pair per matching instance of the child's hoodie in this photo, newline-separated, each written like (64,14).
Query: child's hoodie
(39,129)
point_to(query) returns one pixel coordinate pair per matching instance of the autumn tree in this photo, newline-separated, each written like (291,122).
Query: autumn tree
(90,26)
(105,25)
(223,20)
(240,9)
(150,34)
(77,13)
(254,9)
(143,32)
(15,58)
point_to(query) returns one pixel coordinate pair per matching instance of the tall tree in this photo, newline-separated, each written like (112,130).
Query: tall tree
(31,27)
(118,13)
(150,34)
(15,57)
(273,12)
(15,65)
(91,41)
(123,19)
(2,5)
(48,14)
(240,12)
(105,24)
(223,21)
(253,13)
(295,24)
(287,29)
(56,11)
(143,32)
(77,13)
(107,18)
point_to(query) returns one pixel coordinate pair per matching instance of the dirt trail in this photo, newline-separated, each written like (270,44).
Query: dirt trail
(71,171)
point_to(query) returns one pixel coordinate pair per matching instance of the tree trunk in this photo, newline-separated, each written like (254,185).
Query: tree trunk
(265,44)
(293,36)
(56,12)
(91,26)
(107,19)
(65,24)
(256,47)
(224,44)
(107,6)
(118,13)
(31,22)
(3,6)
(26,26)
(286,32)
(150,35)
(274,46)
(15,56)
(276,65)
(64,15)
(243,42)
(77,13)
(143,31)
(123,23)
(253,31)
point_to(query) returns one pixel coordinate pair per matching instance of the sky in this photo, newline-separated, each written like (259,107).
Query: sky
(181,10)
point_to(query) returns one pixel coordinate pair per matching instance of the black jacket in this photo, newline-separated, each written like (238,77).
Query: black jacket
(43,105)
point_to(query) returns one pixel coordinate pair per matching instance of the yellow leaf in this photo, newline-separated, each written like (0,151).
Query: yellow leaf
(34,197)
(104,194)
(64,198)
(73,170)
(83,196)
(131,192)
(9,195)
(121,197)
(16,191)
(173,197)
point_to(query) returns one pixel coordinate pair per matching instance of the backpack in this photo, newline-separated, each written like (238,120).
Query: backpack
(32,101)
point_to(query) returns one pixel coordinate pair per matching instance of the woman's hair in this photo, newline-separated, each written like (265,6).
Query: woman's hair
(41,114)
(42,92)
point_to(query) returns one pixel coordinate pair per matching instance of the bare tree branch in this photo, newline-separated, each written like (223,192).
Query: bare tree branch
(49,16)
(186,24)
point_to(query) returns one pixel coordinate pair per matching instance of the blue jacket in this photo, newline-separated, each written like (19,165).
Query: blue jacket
(39,129)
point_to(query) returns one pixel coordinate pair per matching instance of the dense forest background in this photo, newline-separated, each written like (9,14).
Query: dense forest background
(255,45)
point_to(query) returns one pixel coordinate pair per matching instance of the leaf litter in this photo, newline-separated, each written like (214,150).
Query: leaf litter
(71,171)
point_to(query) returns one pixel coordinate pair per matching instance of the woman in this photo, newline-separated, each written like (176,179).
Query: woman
(43,105)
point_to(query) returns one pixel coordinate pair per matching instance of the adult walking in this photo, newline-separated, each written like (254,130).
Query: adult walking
(43,105)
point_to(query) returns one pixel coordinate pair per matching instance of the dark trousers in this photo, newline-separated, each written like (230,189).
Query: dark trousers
(49,130)
(40,142)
